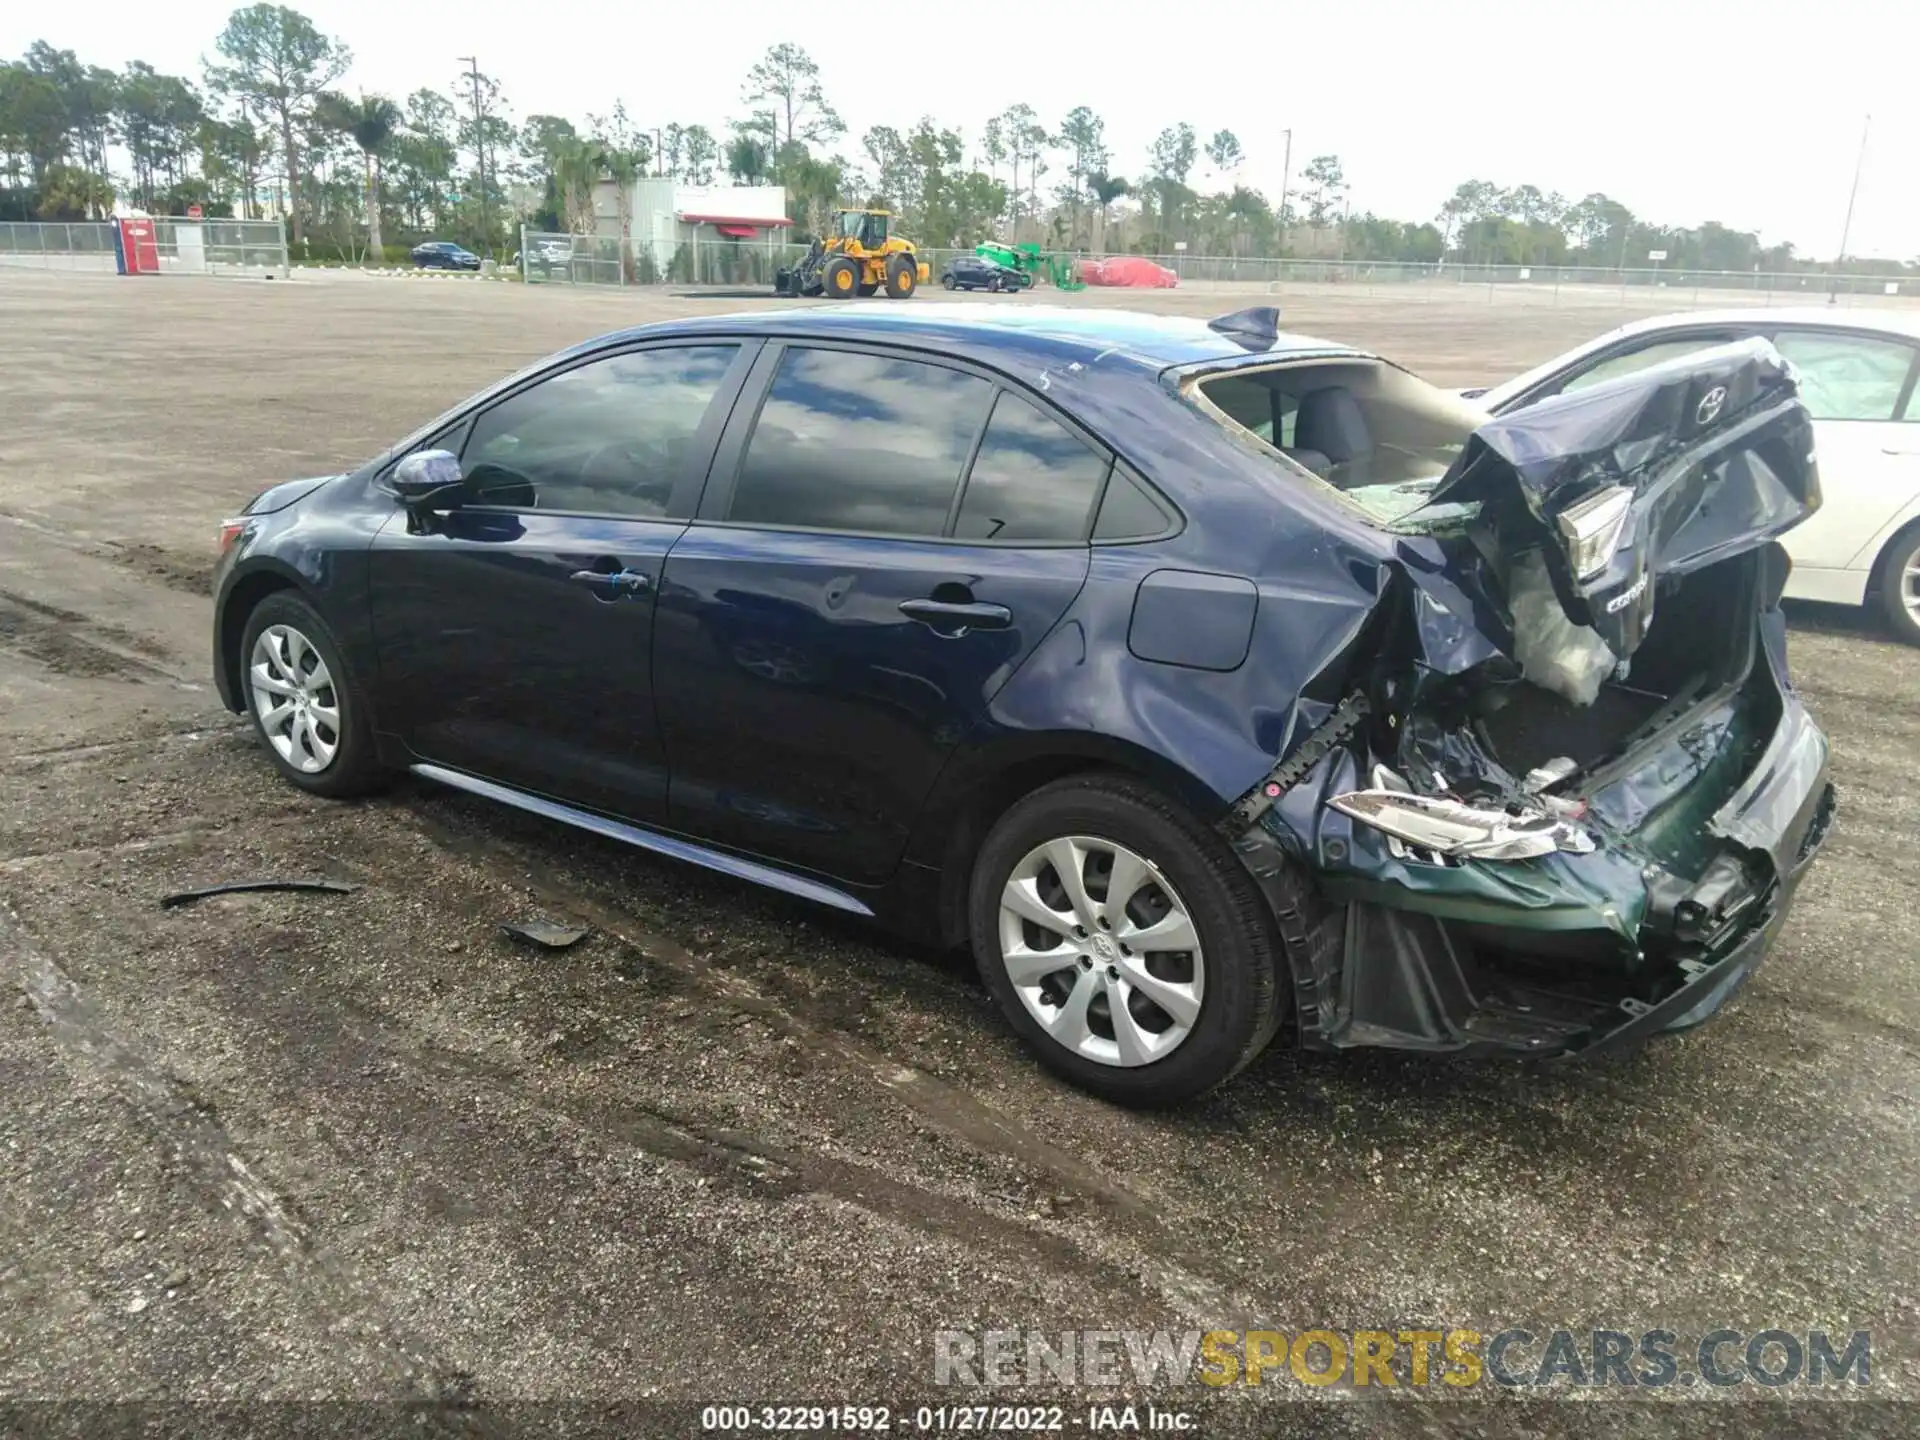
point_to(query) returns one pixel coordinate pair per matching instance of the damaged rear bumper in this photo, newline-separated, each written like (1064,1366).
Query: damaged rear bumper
(1573,953)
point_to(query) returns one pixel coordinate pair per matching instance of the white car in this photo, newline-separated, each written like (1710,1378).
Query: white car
(1858,371)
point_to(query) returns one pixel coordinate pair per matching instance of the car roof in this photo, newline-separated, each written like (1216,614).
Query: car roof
(1864,320)
(1878,319)
(1053,332)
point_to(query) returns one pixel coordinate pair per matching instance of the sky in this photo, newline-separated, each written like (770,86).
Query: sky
(1685,110)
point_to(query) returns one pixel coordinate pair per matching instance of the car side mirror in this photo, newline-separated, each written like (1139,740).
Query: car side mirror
(427,479)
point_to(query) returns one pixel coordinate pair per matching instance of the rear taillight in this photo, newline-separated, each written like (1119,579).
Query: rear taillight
(230,531)
(1591,529)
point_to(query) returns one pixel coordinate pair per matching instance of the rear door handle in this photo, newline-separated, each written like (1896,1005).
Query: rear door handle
(613,584)
(956,617)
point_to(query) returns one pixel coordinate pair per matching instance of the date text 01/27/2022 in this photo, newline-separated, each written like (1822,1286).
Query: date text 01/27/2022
(943,1419)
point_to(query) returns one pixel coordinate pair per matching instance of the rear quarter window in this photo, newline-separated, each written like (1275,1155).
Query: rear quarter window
(1032,479)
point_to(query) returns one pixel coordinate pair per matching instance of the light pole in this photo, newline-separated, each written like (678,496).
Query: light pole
(1846,229)
(480,153)
(1286,177)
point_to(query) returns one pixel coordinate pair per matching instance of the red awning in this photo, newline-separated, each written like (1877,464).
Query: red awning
(749,222)
(739,232)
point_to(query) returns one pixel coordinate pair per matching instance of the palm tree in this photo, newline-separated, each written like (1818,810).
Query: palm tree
(1106,189)
(371,121)
(623,167)
(576,169)
(747,159)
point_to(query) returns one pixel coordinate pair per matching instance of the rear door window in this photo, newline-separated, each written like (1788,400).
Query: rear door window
(1847,377)
(860,443)
(1031,481)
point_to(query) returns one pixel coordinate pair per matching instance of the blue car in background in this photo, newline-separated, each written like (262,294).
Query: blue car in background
(444,255)
(1208,682)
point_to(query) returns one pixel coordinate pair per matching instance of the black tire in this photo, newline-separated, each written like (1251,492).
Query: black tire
(903,277)
(949,282)
(841,279)
(1243,997)
(1889,581)
(354,767)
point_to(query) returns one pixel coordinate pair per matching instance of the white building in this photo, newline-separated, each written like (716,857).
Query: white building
(707,226)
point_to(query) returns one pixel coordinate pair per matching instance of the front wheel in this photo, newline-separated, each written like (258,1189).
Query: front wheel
(949,282)
(902,278)
(1898,582)
(1124,942)
(841,279)
(306,706)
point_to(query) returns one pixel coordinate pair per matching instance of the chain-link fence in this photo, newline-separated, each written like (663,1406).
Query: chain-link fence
(39,245)
(548,258)
(553,259)
(185,246)
(596,260)
(1533,283)
(221,247)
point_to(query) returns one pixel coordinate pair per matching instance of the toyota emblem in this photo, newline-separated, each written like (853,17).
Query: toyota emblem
(1710,403)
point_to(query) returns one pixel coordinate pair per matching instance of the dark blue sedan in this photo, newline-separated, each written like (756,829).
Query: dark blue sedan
(444,255)
(1205,681)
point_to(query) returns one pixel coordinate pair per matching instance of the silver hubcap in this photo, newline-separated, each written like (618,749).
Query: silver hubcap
(1910,585)
(294,698)
(1101,951)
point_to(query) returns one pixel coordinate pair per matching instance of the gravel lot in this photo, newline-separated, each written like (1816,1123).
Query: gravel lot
(360,1148)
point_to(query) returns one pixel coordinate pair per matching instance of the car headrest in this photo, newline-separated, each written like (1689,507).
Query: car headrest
(1330,420)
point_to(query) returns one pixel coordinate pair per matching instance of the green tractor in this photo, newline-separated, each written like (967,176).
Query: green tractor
(1061,271)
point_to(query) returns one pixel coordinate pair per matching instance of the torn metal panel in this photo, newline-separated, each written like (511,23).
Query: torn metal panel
(1654,474)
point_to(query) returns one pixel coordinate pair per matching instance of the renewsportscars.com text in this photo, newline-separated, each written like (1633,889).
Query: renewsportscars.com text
(1515,1357)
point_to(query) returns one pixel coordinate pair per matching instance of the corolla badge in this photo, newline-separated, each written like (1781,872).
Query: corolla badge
(1710,405)
(1627,596)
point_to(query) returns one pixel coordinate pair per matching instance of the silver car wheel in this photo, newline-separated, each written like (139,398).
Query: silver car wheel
(1909,582)
(1102,951)
(294,699)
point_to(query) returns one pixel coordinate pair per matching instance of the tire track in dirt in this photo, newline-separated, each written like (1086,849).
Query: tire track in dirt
(744,1162)
(69,643)
(1186,1275)
(323,1279)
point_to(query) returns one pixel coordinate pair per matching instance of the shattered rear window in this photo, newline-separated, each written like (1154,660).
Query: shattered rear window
(1377,436)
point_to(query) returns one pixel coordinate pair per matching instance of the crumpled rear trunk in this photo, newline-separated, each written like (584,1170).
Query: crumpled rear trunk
(1571,789)
(1589,501)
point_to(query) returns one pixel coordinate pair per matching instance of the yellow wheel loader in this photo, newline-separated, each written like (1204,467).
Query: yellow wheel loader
(858,258)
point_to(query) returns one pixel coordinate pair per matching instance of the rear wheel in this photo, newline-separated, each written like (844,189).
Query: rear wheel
(949,282)
(1898,582)
(902,277)
(841,279)
(1124,942)
(306,706)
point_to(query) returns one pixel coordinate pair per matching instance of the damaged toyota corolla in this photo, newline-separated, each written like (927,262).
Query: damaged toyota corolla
(1208,682)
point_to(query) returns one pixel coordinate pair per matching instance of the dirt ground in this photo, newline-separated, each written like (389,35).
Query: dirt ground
(360,1148)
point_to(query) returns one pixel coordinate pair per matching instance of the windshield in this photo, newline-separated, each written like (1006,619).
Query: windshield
(1377,435)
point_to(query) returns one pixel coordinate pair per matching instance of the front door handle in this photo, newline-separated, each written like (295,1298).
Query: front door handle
(613,584)
(956,617)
